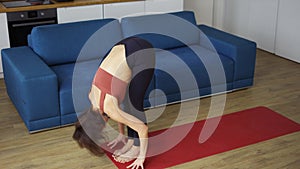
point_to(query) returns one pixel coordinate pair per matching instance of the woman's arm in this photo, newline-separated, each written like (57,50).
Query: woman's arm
(120,138)
(115,113)
(121,128)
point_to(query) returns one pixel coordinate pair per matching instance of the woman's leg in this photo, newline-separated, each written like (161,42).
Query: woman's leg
(136,93)
(141,60)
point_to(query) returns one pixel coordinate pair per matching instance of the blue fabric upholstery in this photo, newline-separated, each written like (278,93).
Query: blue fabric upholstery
(163,31)
(186,15)
(61,43)
(67,86)
(49,80)
(64,74)
(39,77)
(242,51)
(190,67)
(32,87)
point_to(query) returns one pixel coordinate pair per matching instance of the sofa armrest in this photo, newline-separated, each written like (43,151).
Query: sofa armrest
(241,51)
(32,87)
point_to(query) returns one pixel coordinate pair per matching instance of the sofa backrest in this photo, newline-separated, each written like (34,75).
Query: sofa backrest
(164,31)
(62,43)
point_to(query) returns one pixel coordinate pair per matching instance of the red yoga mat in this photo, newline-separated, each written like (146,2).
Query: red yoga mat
(234,130)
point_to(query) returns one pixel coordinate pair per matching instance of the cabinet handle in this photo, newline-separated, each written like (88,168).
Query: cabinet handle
(33,23)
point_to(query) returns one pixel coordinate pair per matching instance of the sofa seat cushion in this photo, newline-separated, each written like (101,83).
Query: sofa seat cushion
(181,70)
(73,91)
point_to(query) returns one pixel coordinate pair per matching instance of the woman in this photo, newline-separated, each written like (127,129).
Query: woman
(124,75)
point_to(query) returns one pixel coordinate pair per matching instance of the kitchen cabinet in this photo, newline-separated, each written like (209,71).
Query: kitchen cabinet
(79,13)
(253,19)
(218,14)
(203,10)
(4,39)
(262,23)
(272,24)
(120,10)
(163,6)
(287,33)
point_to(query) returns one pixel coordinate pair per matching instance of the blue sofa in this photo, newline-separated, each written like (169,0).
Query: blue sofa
(49,79)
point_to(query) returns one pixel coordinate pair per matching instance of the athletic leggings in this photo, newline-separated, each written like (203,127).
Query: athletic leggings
(140,57)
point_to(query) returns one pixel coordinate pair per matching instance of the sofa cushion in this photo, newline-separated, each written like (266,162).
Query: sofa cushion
(163,31)
(62,43)
(184,69)
(75,81)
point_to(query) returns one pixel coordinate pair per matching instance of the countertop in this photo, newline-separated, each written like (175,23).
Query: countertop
(61,4)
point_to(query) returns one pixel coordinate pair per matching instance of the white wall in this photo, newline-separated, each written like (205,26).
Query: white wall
(203,10)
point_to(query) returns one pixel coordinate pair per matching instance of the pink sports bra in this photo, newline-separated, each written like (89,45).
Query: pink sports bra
(109,84)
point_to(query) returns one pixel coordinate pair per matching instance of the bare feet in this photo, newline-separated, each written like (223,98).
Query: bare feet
(129,155)
(124,149)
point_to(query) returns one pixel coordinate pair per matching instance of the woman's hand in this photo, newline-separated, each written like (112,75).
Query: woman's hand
(137,163)
(120,138)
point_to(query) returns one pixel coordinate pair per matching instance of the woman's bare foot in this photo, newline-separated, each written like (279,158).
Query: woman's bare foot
(129,155)
(124,149)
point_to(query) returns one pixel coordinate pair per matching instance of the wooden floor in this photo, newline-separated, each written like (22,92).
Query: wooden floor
(277,86)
